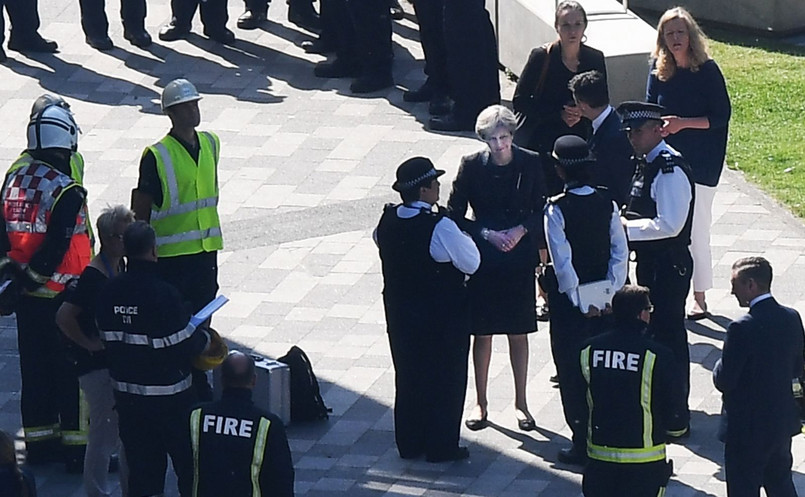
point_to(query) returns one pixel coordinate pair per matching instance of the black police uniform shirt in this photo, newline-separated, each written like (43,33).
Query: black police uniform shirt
(237,445)
(146,331)
(83,293)
(672,192)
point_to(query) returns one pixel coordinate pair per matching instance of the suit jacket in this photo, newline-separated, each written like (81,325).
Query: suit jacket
(761,358)
(614,166)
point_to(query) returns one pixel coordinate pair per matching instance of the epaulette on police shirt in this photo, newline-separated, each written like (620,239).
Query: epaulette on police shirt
(669,161)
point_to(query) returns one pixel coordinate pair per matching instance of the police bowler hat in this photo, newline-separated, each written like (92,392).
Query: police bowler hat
(413,172)
(572,151)
(633,113)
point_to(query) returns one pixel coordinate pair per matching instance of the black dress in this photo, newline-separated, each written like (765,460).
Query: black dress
(502,291)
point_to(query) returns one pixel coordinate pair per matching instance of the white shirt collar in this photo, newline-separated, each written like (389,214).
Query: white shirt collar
(598,121)
(759,298)
(406,211)
(659,148)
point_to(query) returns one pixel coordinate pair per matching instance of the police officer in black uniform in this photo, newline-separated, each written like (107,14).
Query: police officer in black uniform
(361,31)
(631,392)
(213,15)
(96,25)
(233,440)
(25,37)
(587,246)
(658,221)
(425,258)
(150,345)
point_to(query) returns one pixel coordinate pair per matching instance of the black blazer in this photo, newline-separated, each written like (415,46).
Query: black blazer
(613,152)
(762,356)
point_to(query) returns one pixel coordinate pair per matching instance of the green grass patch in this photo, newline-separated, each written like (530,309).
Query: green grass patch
(766,83)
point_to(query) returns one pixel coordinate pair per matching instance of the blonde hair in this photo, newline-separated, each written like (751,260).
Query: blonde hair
(697,51)
(112,215)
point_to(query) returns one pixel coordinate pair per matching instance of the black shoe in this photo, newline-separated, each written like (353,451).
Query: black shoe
(372,83)
(33,44)
(572,456)
(554,378)
(411,455)
(317,46)
(396,11)
(139,39)
(477,424)
(456,454)
(449,122)
(677,436)
(308,20)
(251,19)
(527,424)
(102,43)
(422,94)
(224,37)
(440,105)
(172,32)
(3,56)
(336,69)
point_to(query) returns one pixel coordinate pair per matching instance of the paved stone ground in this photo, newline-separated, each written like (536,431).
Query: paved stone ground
(305,169)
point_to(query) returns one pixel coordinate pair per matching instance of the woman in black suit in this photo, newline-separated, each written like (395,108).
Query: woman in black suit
(504,186)
(542,95)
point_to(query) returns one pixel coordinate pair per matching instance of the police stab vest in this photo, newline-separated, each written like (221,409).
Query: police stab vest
(187,221)
(31,191)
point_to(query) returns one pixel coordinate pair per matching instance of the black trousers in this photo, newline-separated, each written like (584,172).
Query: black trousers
(430,364)
(749,467)
(430,16)
(605,479)
(361,30)
(667,275)
(51,407)
(569,330)
(196,278)
(472,57)
(214,15)
(24,17)
(94,21)
(152,428)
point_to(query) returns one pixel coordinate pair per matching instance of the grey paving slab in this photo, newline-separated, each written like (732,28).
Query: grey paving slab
(304,172)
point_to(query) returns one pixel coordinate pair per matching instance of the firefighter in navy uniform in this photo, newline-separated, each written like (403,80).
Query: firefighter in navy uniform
(630,392)
(45,241)
(150,344)
(238,448)
(587,245)
(658,222)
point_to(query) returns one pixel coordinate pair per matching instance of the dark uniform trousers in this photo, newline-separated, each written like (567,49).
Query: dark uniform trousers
(472,57)
(768,465)
(24,17)
(196,278)
(569,330)
(51,407)
(214,15)
(151,427)
(94,21)
(430,16)
(667,274)
(604,479)
(361,30)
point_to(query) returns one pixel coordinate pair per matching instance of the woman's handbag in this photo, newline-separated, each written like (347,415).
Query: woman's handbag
(526,128)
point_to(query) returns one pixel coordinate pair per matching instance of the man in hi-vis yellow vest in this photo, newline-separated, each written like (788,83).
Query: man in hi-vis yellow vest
(177,192)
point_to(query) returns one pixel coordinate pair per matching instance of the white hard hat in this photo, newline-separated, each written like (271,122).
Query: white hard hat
(53,127)
(178,92)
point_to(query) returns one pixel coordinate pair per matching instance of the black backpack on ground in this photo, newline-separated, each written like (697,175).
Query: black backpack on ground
(306,401)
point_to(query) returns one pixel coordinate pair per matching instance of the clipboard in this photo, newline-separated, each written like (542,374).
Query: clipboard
(596,293)
(208,310)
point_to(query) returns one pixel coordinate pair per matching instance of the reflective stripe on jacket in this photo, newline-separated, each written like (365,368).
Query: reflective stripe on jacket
(187,221)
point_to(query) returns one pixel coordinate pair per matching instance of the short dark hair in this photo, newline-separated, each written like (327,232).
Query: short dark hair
(579,173)
(412,194)
(756,268)
(139,239)
(237,370)
(629,302)
(591,88)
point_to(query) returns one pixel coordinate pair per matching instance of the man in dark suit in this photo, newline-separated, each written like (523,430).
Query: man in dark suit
(608,143)
(758,372)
